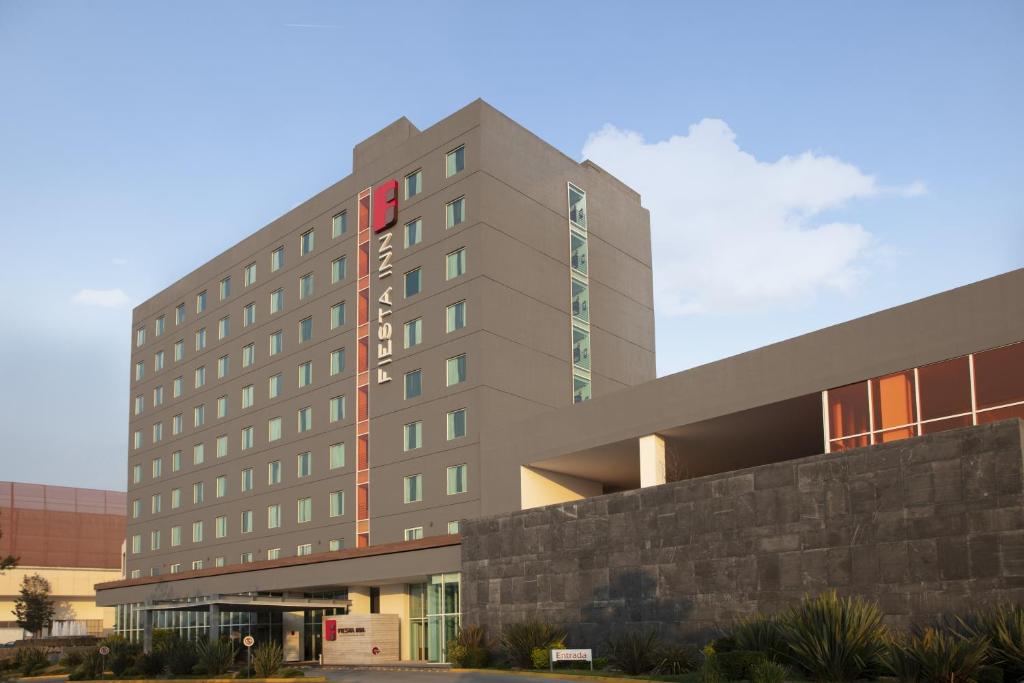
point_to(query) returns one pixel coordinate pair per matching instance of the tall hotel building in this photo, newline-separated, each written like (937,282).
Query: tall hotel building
(325,388)
(463,329)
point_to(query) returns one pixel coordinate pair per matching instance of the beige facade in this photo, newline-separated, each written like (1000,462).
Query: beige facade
(74,596)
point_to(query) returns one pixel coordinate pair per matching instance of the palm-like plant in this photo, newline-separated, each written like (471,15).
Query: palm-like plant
(933,656)
(760,634)
(833,638)
(520,640)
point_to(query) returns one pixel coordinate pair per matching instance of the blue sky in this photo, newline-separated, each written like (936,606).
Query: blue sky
(138,140)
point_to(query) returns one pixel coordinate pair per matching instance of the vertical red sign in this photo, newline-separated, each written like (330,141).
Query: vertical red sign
(385,205)
(330,629)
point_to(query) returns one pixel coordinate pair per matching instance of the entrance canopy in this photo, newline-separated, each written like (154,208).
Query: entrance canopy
(242,603)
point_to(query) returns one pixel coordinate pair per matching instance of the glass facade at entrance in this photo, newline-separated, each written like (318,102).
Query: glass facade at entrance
(434,611)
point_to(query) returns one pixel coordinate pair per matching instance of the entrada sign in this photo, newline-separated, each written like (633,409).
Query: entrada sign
(385,213)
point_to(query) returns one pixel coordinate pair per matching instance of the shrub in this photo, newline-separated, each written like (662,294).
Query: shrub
(122,655)
(31,660)
(736,665)
(150,663)
(933,656)
(767,671)
(600,663)
(1003,625)
(180,655)
(520,640)
(634,652)
(540,657)
(710,670)
(470,649)
(90,668)
(72,658)
(759,634)
(674,659)
(266,659)
(833,638)
(217,656)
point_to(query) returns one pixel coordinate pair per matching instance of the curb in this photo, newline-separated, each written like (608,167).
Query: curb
(554,674)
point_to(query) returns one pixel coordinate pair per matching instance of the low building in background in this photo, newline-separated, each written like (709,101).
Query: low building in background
(71,537)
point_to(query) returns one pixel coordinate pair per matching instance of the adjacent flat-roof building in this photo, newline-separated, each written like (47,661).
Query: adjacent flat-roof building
(464,327)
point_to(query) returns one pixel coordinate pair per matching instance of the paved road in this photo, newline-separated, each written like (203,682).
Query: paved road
(442,676)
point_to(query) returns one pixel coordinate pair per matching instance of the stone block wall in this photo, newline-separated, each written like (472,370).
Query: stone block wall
(924,526)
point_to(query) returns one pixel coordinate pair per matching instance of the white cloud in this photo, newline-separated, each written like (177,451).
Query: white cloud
(101,298)
(730,232)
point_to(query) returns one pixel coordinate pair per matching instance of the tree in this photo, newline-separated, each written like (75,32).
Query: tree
(33,609)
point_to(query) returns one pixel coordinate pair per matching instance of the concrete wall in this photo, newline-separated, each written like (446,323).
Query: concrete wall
(925,525)
(72,589)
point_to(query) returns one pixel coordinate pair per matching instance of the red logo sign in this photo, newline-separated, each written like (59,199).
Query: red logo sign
(330,629)
(375,650)
(385,205)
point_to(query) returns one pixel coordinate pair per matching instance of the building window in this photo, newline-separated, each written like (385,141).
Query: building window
(223,366)
(140,370)
(218,562)
(304,549)
(274,429)
(578,252)
(305,374)
(200,376)
(337,361)
(413,435)
(199,415)
(155,503)
(249,275)
(304,510)
(336,544)
(337,456)
(338,270)
(274,472)
(197,532)
(179,350)
(222,407)
(304,464)
(179,314)
(455,316)
(413,283)
(158,432)
(222,446)
(247,396)
(413,184)
(306,286)
(413,384)
(413,332)
(580,300)
(453,527)
(306,242)
(198,454)
(136,508)
(249,315)
(455,161)
(413,488)
(276,259)
(581,347)
(337,409)
(337,503)
(247,438)
(247,479)
(136,544)
(305,330)
(140,337)
(158,361)
(274,386)
(248,355)
(456,424)
(221,486)
(154,540)
(201,301)
(304,421)
(580,388)
(158,396)
(159,325)
(455,264)
(414,534)
(225,288)
(220,527)
(157,467)
(139,403)
(273,516)
(276,343)
(136,474)
(197,564)
(337,315)
(339,224)
(456,370)
(198,493)
(577,206)
(175,536)
(246,522)
(457,480)
(176,461)
(245,558)
(200,339)
(137,439)
(223,327)
(455,213)
(175,498)
(413,233)
(176,386)
(276,301)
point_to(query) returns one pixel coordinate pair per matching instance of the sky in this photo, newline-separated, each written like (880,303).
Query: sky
(804,162)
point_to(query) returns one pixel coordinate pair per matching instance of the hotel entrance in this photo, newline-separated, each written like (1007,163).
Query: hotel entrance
(434,616)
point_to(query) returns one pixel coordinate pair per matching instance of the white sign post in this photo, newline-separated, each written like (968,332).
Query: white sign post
(248,641)
(572,656)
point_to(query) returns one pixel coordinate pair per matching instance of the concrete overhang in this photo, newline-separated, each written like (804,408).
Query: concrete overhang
(242,603)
